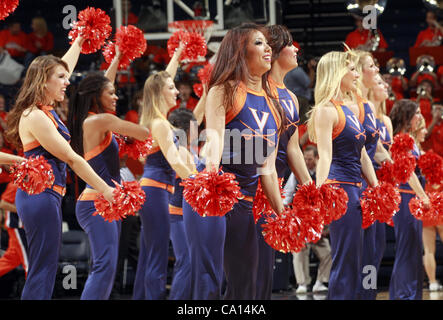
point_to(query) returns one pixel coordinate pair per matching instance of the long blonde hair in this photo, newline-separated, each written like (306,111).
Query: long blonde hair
(331,69)
(380,107)
(153,98)
(359,62)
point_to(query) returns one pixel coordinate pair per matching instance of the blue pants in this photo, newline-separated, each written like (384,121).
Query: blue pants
(42,220)
(104,242)
(346,249)
(265,272)
(407,274)
(181,281)
(374,244)
(139,286)
(154,216)
(206,238)
(241,253)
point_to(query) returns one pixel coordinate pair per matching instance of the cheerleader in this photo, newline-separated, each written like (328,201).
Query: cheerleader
(334,124)
(242,124)
(34,125)
(161,167)
(284,59)
(92,121)
(407,274)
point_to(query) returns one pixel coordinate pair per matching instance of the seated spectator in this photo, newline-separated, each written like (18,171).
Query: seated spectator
(15,41)
(301,80)
(41,41)
(185,98)
(363,39)
(395,77)
(434,136)
(132,115)
(128,16)
(425,71)
(430,36)
(425,99)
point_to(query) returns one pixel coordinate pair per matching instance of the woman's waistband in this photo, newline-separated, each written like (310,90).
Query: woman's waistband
(147,182)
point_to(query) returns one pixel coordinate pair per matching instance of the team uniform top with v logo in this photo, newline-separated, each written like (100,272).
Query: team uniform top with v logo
(292,122)
(251,135)
(385,138)
(369,122)
(348,139)
(35,149)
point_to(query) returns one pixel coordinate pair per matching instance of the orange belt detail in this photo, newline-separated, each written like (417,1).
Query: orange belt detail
(406,191)
(59,189)
(357,184)
(146,182)
(175,210)
(88,196)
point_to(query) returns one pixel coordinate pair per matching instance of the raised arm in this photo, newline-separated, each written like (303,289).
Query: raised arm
(175,60)
(71,56)
(199,110)
(111,72)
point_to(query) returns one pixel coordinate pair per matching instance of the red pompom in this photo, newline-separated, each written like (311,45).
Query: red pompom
(204,74)
(261,206)
(7,7)
(134,148)
(432,214)
(403,143)
(33,175)
(285,232)
(404,166)
(379,203)
(128,199)
(386,173)
(130,41)
(312,221)
(198,89)
(94,25)
(195,45)
(334,202)
(431,165)
(210,193)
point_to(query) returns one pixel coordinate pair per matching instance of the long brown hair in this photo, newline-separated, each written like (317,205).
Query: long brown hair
(279,37)
(231,67)
(401,115)
(31,93)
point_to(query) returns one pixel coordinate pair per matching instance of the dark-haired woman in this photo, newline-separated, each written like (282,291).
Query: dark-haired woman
(284,59)
(407,274)
(91,121)
(34,125)
(242,124)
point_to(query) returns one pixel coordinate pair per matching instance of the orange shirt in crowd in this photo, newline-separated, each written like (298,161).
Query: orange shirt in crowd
(132,116)
(397,87)
(427,34)
(357,38)
(41,44)
(13,42)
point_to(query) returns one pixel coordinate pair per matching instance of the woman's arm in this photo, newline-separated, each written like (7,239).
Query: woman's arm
(199,110)
(215,127)
(111,72)
(50,139)
(71,56)
(108,122)
(270,184)
(368,169)
(162,133)
(6,158)
(175,60)
(325,118)
(296,160)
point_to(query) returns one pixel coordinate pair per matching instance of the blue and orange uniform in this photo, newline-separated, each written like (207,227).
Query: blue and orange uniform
(42,219)
(266,252)
(348,139)
(251,134)
(370,250)
(407,274)
(181,281)
(103,235)
(158,183)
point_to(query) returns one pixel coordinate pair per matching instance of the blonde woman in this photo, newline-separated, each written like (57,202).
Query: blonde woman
(40,40)
(334,125)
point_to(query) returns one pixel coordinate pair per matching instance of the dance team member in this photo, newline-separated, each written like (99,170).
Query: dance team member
(34,125)
(340,138)
(242,128)
(284,59)
(407,274)
(92,121)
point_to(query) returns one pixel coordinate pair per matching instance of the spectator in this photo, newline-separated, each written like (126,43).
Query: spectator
(15,41)
(430,36)
(128,16)
(185,98)
(321,248)
(301,81)
(41,41)
(440,75)
(425,99)
(3,113)
(363,39)
(434,136)
(425,71)
(137,101)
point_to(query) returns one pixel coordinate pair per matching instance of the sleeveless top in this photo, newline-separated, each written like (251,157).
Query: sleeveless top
(348,140)
(292,123)
(385,138)
(35,149)
(369,122)
(251,135)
